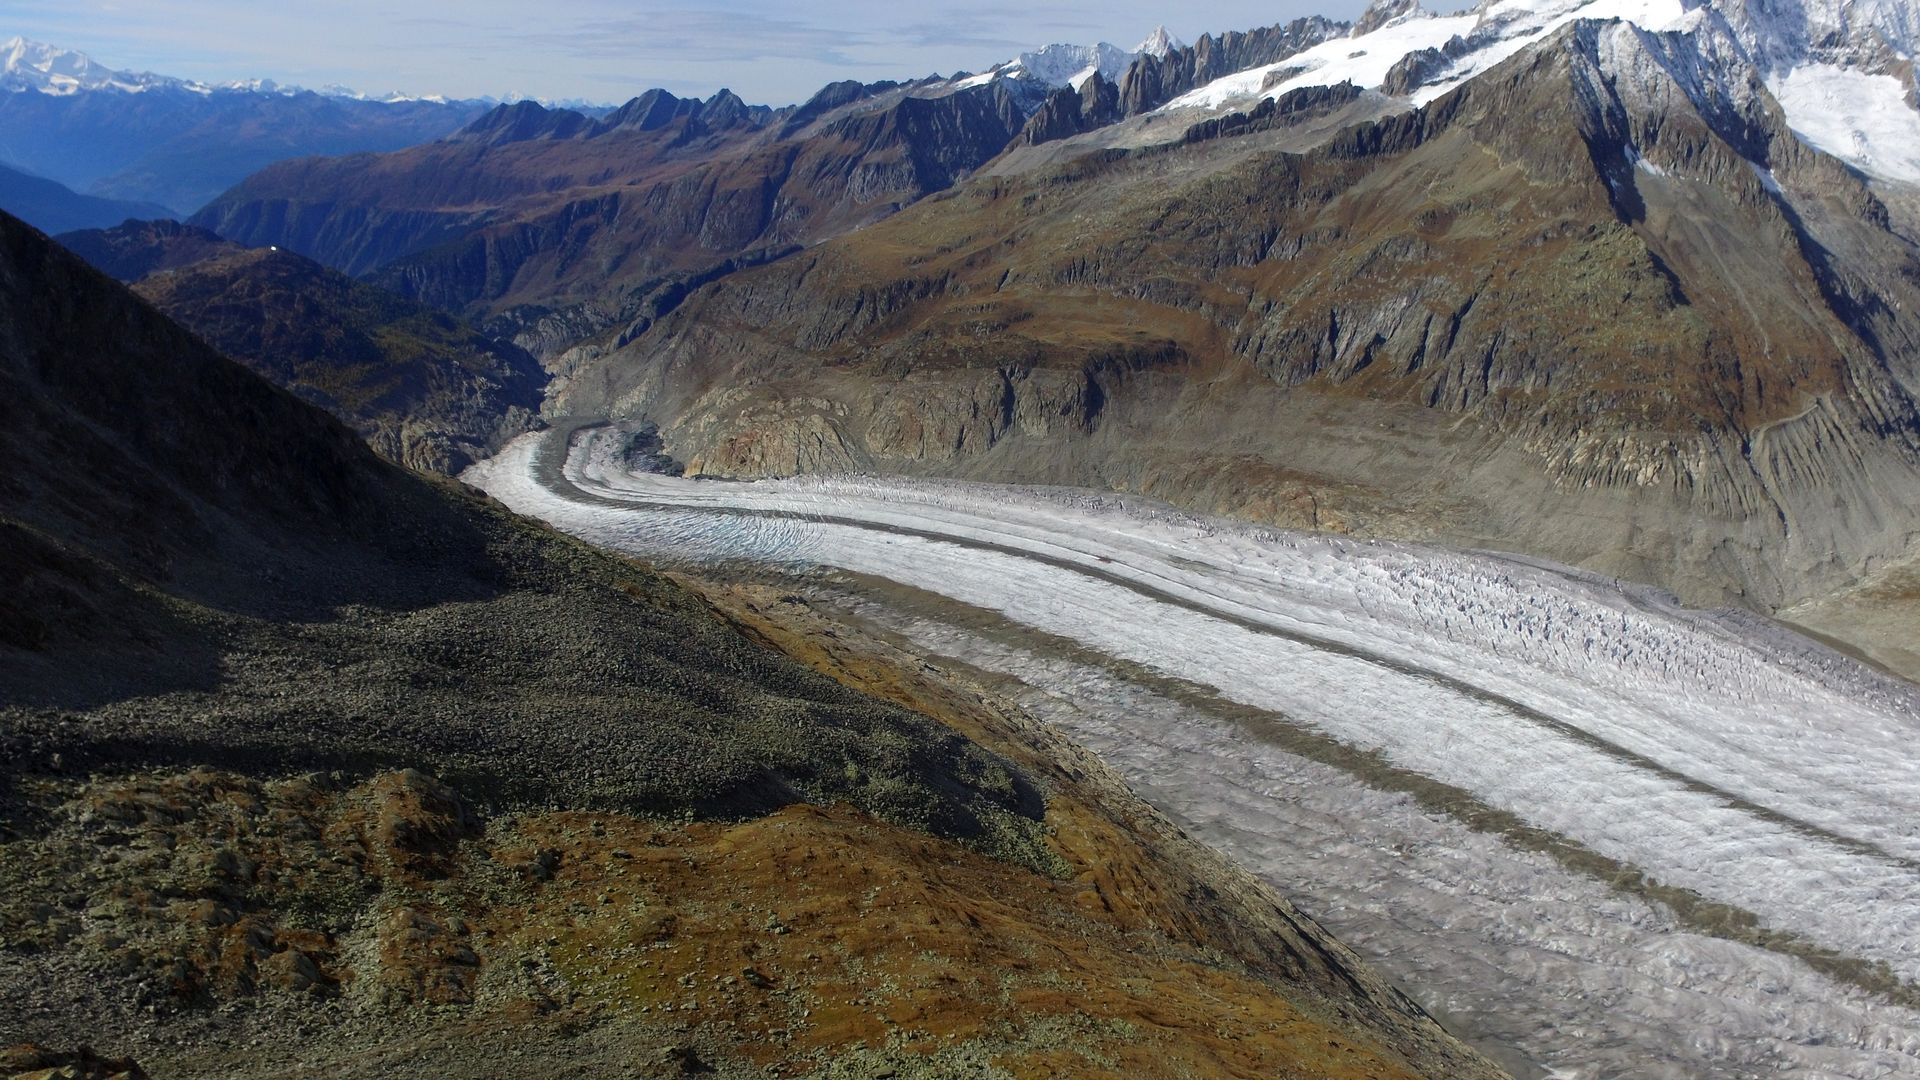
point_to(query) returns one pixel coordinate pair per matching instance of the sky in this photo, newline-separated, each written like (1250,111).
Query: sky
(602,50)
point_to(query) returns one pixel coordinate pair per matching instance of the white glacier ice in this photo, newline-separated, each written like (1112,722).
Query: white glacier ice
(1859,118)
(1710,751)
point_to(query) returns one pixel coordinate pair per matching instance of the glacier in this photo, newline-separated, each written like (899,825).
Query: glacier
(1346,718)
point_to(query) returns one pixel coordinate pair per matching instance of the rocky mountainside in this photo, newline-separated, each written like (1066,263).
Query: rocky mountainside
(426,389)
(566,227)
(566,222)
(53,207)
(238,649)
(133,249)
(1597,299)
(152,139)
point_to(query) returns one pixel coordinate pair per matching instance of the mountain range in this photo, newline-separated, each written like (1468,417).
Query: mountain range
(662,257)
(645,202)
(1472,277)
(1122,255)
(146,138)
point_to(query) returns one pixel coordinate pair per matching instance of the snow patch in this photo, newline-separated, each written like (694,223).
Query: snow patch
(1363,61)
(1864,120)
(1493,33)
(1634,159)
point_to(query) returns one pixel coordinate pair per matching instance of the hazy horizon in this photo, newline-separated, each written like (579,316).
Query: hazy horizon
(600,50)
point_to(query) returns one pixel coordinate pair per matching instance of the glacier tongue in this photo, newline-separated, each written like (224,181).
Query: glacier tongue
(1713,769)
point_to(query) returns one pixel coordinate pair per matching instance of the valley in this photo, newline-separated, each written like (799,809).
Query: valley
(1385,544)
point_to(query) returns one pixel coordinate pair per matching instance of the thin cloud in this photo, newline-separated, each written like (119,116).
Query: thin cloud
(702,37)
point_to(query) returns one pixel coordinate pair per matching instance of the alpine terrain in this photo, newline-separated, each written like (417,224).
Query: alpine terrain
(314,763)
(1385,547)
(152,139)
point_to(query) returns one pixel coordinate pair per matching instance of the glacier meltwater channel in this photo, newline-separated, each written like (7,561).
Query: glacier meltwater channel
(1599,833)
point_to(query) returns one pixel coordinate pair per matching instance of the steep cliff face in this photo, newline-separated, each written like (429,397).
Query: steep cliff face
(1153,81)
(1068,112)
(1581,306)
(615,219)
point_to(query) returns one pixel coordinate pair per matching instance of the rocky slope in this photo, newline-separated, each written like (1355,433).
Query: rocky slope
(425,389)
(565,221)
(133,249)
(570,226)
(239,648)
(1599,303)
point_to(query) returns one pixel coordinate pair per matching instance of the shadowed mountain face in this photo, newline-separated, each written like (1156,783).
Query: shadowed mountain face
(547,214)
(427,390)
(53,207)
(133,249)
(1578,307)
(158,475)
(232,635)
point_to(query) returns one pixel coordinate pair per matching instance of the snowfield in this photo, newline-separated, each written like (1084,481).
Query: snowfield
(1859,118)
(1727,770)
(1856,110)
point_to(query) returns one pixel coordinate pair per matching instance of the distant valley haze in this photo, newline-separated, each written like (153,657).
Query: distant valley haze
(601,50)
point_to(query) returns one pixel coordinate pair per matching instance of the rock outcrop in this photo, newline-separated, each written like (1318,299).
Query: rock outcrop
(1152,81)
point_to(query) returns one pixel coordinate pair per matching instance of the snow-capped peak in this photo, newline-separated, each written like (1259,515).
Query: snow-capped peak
(1842,70)
(1070,65)
(32,66)
(1382,13)
(1158,44)
(1073,65)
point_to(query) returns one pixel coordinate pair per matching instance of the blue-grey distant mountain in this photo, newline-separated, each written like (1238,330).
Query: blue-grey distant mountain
(151,138)
(52,207)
